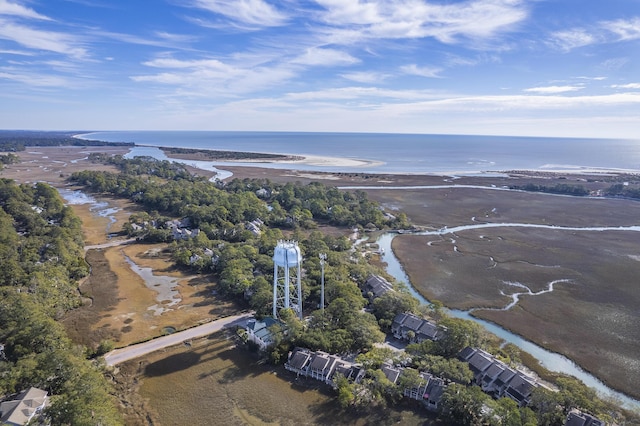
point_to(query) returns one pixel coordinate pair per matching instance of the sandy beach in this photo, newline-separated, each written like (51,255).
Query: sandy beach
(288,159)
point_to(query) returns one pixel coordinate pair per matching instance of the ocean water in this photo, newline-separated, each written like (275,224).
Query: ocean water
(407,153)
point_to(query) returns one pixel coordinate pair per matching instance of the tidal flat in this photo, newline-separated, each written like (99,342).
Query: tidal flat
(591,316)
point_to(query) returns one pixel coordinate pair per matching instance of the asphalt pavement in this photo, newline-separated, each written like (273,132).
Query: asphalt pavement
(121,355)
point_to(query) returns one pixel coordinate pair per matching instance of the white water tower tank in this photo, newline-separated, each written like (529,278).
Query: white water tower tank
(287,254)
(287,263)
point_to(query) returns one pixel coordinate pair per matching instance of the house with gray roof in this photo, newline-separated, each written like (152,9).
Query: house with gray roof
(391,372)
(22,409)
(520,388)
(321,366)
(350,371)
(479,362)
(260,331)
(429,391)
(578,418)
(298,361)
(496,378)
(407,326)
(376,286)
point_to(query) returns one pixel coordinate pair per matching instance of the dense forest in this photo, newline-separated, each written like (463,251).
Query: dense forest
(168,188)
(230,155)
(17,140)
(561,188)
(41,259)
(616,190)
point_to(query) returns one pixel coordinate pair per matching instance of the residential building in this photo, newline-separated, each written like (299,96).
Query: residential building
(23,408)
(322,366)
(260,333)
(414,329)
(376,286)
(496,378)
(298,361)
(578,418)
(429,391)
(391,372)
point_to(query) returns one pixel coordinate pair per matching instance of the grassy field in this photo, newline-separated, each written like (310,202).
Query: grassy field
(215,383)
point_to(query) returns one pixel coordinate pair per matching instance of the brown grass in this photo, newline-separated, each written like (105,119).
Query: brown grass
(593,320)
(214,383)
(54,164)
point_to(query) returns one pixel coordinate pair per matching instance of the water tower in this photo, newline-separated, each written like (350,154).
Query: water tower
(287,264)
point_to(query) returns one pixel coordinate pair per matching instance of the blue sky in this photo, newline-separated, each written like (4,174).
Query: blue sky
(503,67)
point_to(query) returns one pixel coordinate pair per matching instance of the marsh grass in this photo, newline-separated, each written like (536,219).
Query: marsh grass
(592,319)
(216,383)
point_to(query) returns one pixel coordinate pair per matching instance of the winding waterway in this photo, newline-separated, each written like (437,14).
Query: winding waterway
(550,360)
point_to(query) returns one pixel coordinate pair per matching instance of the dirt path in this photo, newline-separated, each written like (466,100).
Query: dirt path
(134,351)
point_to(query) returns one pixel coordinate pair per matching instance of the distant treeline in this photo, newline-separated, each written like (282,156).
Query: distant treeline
(620,190)
(17,140)
(230,155)
(616,190)
(561,188)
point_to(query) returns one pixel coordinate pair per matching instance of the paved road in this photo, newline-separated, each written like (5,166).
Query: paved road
(134,351)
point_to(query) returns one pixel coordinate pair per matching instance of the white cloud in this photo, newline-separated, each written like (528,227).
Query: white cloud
(41,40)
(553,89)
(624,29)
(357,109)
(15,9)
(591,78)
(35,79)
(16,52)
(413,69)
(449,23)
(194,64)
(360,93)
(614,64)
(325,57)
(256,13)
(163,39)
(525,103)
(572,39)
(626,86)
(367,77)
(177,38)
(202,77)
(600,33)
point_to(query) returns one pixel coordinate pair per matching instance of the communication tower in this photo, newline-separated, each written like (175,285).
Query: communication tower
(287,264)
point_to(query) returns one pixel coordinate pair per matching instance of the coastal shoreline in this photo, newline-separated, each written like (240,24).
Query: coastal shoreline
(293,160)
(289,159)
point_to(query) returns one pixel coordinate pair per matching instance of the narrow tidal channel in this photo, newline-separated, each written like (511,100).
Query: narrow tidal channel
(550,360)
